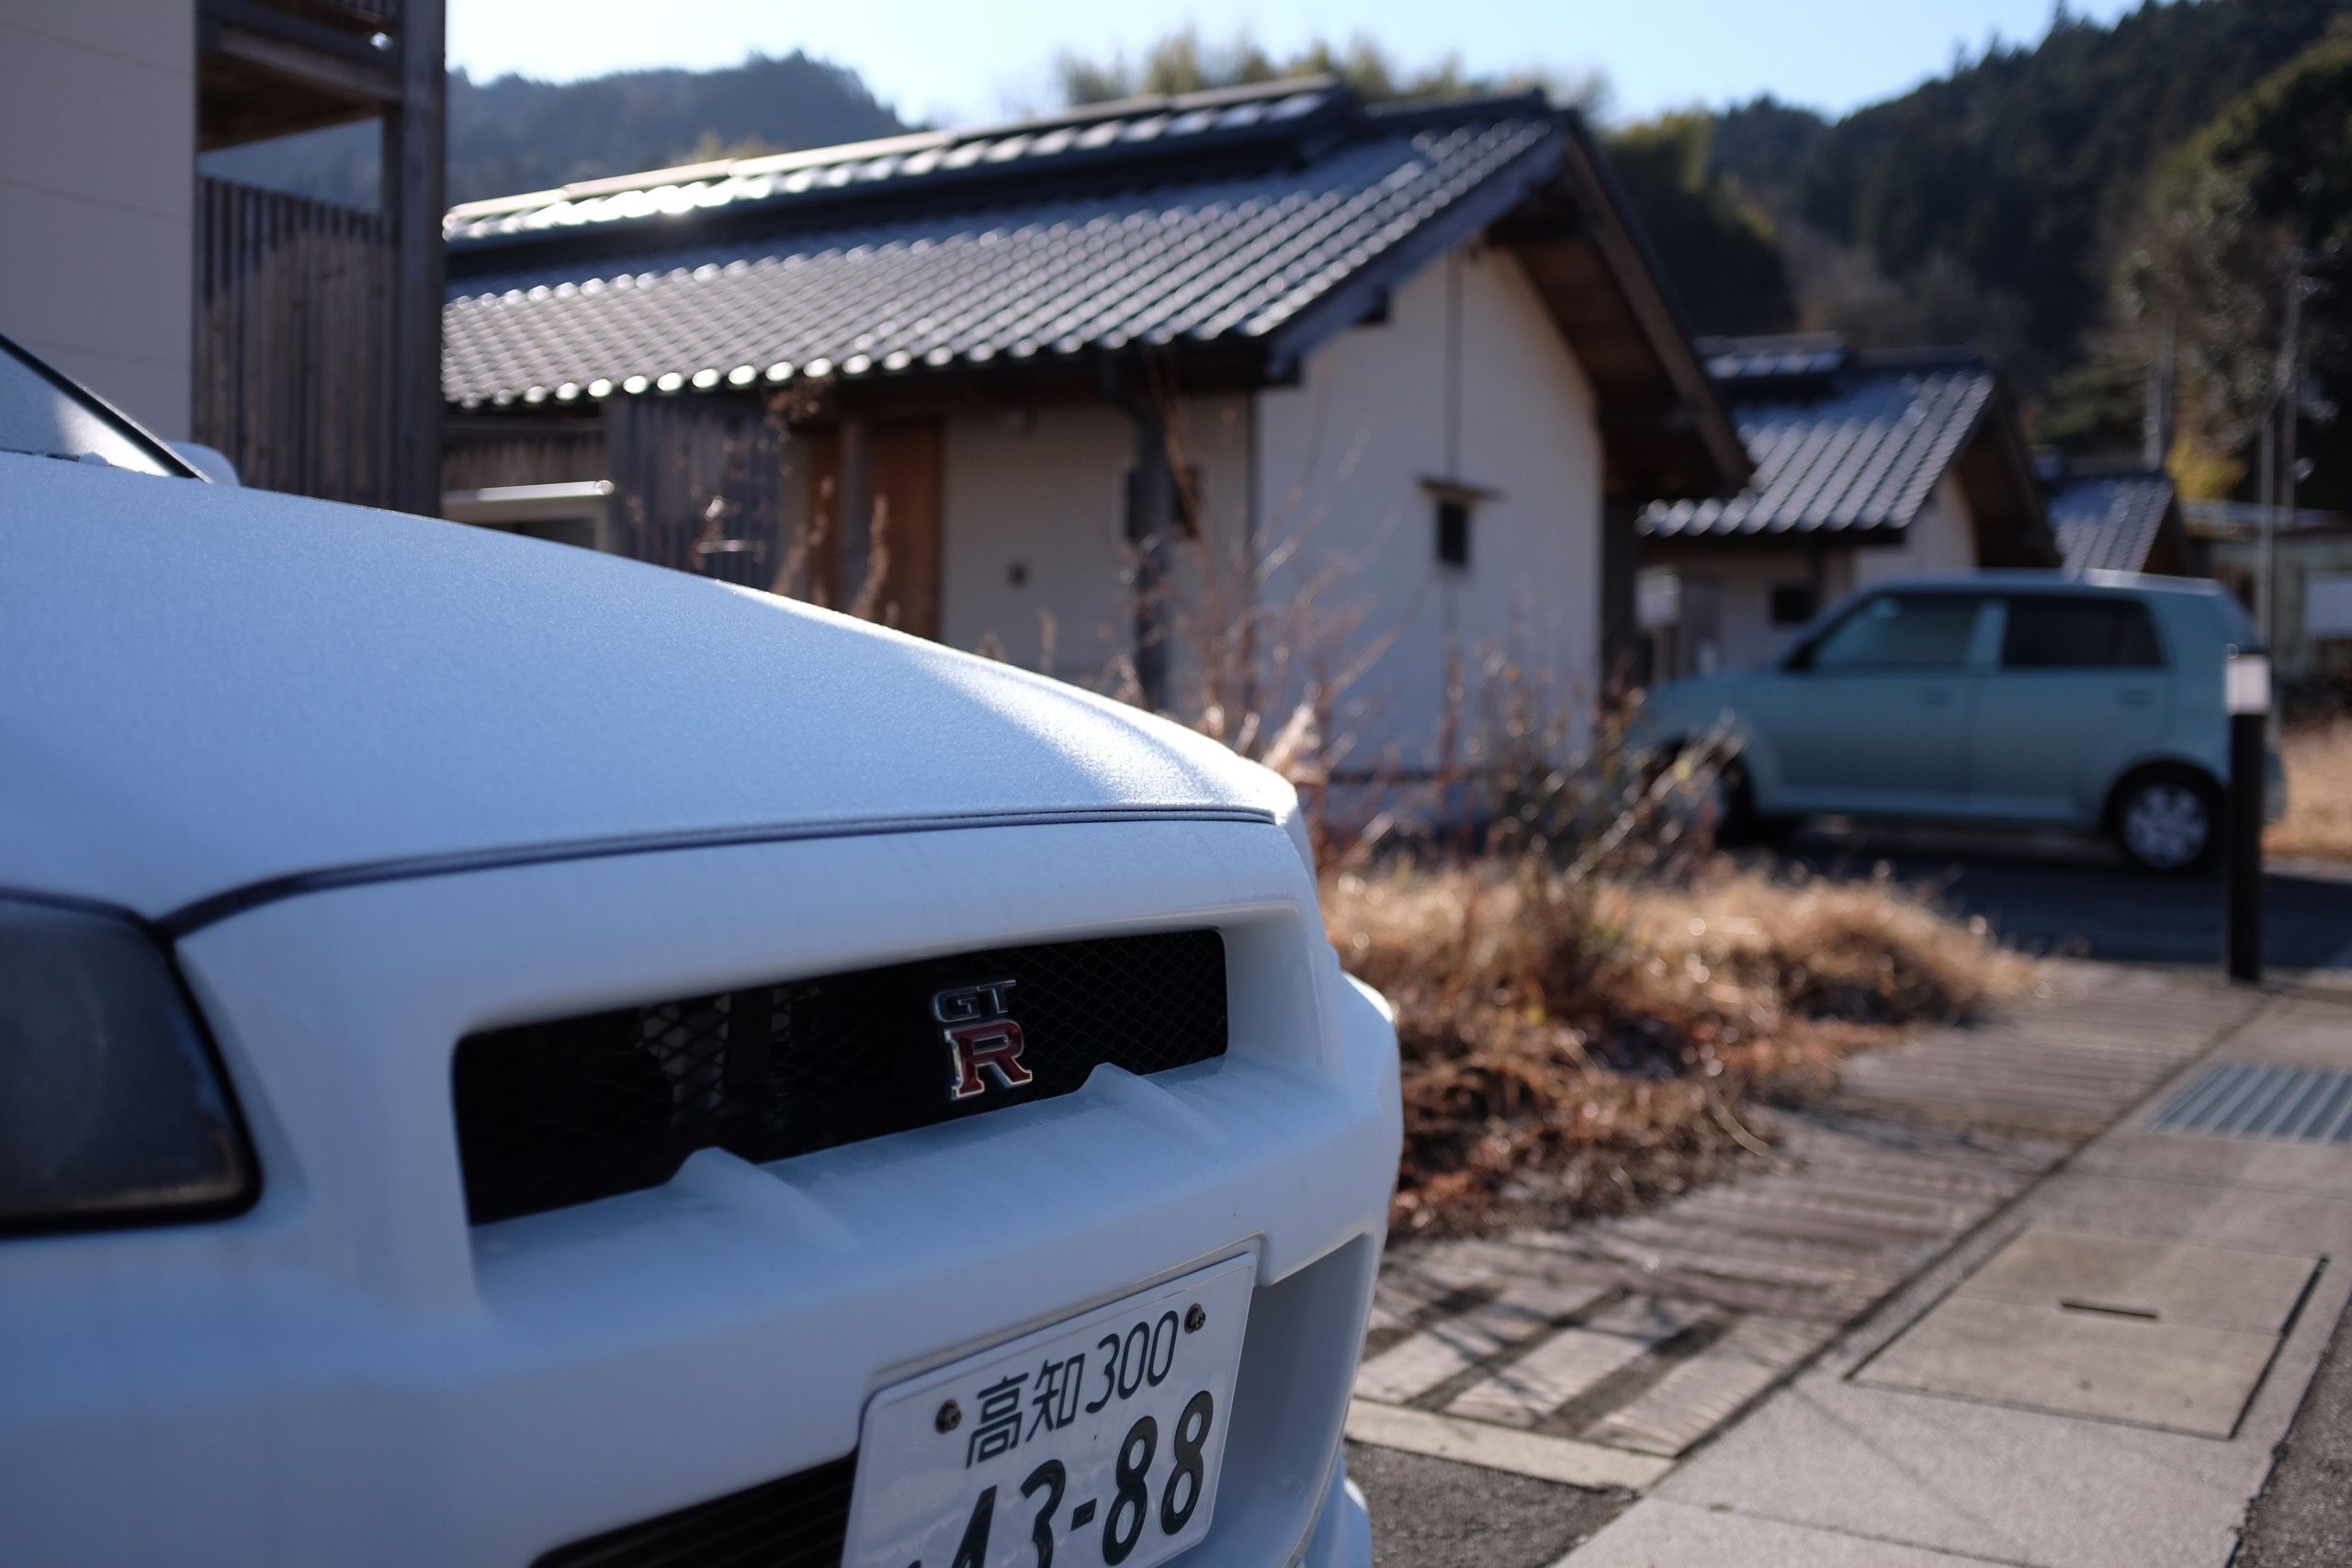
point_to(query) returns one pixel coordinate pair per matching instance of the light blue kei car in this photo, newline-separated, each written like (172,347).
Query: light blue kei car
(2022,698)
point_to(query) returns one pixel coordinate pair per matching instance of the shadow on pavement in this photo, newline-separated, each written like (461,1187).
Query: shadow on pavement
(2074,899)
(1433,1513)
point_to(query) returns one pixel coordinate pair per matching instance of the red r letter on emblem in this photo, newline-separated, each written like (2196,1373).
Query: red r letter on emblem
(991,1042)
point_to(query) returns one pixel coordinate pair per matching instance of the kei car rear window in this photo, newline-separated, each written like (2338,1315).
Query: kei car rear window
(2049,631)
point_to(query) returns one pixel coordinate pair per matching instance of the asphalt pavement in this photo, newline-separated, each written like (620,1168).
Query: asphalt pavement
(1433,1513)
(2303,1518)
(2076,899)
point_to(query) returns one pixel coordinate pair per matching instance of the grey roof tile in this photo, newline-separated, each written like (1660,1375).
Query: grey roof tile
(2109,523)
(1840,443)
(1062,252)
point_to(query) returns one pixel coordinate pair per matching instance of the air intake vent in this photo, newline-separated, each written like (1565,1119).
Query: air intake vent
(801,1521)
(553,1114)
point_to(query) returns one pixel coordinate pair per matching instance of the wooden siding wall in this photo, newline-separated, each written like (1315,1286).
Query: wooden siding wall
(699,484)
(293,343)
(485,452)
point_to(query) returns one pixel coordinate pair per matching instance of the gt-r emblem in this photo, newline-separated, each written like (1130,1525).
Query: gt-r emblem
(980,1037)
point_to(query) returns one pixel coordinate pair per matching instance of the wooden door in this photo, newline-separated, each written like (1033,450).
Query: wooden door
(905,471)
(907,494)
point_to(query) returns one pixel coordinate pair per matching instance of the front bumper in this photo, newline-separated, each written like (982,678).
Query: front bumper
(1343,1530)
(351,1374)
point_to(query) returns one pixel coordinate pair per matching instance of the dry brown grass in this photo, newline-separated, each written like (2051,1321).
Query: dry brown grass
(1572,1046)
(2318,824)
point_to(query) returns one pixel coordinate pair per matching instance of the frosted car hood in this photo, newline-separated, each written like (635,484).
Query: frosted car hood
(207,688)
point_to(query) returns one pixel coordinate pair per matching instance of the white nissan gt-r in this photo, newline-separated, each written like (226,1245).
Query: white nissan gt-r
(513,1057)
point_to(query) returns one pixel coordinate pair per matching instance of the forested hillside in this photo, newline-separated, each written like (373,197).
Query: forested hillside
(515,134)
(2021,174)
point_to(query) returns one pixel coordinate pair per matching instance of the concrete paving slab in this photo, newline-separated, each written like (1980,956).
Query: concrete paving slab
(2219,1162)
(2265,1218)
(1703,1392)
(2314,1033)
(2176,1376)
(2012,1486)
(1523,1453)
(1975,1479)
(1446,1349)
(2164,1281)
(1523,1392)
(1667,1535)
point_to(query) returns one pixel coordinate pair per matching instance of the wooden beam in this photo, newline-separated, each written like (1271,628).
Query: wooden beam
(365,81)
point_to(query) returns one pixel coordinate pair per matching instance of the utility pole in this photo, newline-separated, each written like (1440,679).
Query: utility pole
(2155,442)
(2267,546)
(2290,410)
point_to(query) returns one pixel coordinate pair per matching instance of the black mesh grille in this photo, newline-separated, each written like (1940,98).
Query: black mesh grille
(551,1114)
(801,1521)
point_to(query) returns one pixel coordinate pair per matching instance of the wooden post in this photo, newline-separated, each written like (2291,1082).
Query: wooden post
(1151,516)
(852,510)
(414,135)
(1620,545)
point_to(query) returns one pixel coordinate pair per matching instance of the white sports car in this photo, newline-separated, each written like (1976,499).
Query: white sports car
(513,1056)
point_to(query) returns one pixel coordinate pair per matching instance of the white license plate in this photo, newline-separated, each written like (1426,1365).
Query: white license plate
(1093,1444)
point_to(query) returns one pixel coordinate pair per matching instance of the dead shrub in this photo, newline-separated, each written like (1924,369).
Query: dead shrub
(1580,1043)
(2318,823)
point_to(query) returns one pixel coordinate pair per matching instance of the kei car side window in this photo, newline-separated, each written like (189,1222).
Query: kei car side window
(2051,631)
(1900,631)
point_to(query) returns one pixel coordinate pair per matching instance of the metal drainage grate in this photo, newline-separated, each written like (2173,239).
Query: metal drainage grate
(2244,1099)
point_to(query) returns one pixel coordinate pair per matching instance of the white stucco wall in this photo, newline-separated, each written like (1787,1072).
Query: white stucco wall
(1033,523)
(97,121)
(1726,588)
(1727,601)
(1941,538)
(1467,380)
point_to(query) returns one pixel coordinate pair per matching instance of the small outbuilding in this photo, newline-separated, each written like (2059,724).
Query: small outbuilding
(1234,398)
(1869,466)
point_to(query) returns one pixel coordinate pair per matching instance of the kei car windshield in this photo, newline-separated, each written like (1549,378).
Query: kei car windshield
(43,414)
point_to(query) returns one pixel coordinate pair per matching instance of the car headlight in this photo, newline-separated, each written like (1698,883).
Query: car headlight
(112,1107)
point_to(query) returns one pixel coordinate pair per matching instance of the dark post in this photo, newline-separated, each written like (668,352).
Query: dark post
(414,137)
(1151,517)
(2247,684)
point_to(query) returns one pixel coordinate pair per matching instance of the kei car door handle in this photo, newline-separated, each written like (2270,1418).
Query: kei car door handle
(1935,696)
(2136,697)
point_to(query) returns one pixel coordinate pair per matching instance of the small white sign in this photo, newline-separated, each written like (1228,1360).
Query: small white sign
(2247,684)
(2328,605)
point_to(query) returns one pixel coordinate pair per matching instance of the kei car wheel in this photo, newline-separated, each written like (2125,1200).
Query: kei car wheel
(2166,819)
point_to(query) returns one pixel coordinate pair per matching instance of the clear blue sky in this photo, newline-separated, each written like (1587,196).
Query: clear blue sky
(964,59)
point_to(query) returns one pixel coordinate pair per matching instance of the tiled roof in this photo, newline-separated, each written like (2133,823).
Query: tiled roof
(2108,523)
(1219,218)
(1840,442)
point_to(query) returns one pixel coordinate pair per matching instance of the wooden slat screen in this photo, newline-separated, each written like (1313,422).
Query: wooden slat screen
(699,484)
(293,354)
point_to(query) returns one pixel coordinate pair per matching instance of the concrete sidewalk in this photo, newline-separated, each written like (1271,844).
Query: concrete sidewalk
(1599,1354)
(2096,1378)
